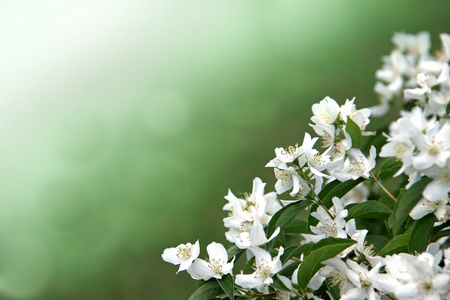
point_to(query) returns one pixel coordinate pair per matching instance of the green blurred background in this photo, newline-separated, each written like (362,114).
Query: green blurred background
(124,123)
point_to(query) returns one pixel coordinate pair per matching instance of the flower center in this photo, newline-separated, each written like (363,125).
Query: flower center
(184,252)
(262,269)
(290,150)
(283,176)
(427,286)
(325,117)
(245,227)
(357,166)
(317,159)
(338,279)
(401,149)
(368,249)
(365,282)
(216,265)
(445,177)
(331,227)
(433,147)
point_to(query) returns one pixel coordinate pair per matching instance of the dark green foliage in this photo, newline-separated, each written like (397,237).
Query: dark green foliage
(405,203)
(420,234)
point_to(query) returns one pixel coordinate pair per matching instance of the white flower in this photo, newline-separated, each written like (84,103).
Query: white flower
(418,44)
(440,186)
(284,156)
(385,94)
(327,133)
(282,294)
(182,255)
(445,52)
(336,269)
(361,248)
(318,163)
(361,278)
(434,148)
(356,165)
(249,234)
(395,65)
(265,268)
(399,146)
(337,152)
(329,225)
(325,112)
(447,260)
(289,179)
(315,282)
(437,103)
(312,158)
(265,206)
(215,267)
(360,117)
(413,277)
(427,81)
(440,208)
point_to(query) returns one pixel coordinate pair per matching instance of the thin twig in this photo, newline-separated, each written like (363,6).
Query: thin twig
(382,187)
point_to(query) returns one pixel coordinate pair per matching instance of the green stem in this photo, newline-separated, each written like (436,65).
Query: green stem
(382,187)
(319,201)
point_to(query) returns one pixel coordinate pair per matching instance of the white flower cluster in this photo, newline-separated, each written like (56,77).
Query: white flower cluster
(280,246)
(406,276)
(414,277)
(332,223)
(340,160)
(423,146)
(186,255)
(420,138)
(248,217)
(410,72)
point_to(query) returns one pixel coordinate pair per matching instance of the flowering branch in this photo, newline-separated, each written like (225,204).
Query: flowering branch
(347,246)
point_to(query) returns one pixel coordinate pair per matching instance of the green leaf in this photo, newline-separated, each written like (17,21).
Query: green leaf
(378,241)
(388,201)
(313,262)
(441,234)
(289,269)
(389,167)
(324,242)
(350,205)
(396,245)
(405,203)
(233,250)
(286,214)
(311,220)
(291,251)
(420,234)
(227,285)
(296,226)
(328,188)
(245,297)
(199,283)
(338,190)
(355,132)
(207,291)
(370,209)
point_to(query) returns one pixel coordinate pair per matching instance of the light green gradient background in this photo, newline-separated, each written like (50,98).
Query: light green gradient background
(123,124)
